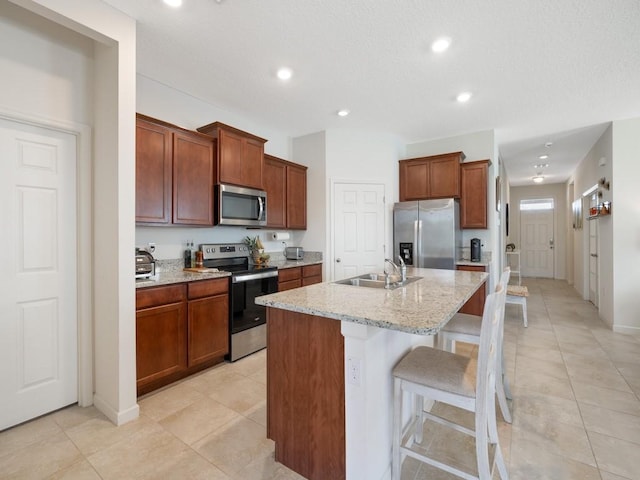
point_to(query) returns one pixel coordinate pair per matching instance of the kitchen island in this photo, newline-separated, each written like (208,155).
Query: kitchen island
(330,352)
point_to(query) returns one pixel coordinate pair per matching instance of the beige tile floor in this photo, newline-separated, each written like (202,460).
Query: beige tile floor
(576,409)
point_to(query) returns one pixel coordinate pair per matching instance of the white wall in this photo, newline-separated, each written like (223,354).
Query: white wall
(69,90)
(311,150)
(557,191)
(47,69)
(587,174)
(625,217)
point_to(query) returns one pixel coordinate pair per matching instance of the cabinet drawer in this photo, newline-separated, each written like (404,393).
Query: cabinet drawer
(311,280)
(287,274)
(471,268)
(289,285)
(208,288)
(312,270)
(154,296)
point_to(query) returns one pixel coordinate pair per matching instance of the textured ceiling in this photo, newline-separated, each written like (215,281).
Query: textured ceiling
(539,70)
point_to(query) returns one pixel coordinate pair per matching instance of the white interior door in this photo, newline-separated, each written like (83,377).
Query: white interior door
(358,226)
(593,256)
(38,285)
(537,238)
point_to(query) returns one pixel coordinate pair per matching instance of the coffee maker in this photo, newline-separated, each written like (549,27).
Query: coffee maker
(476,250)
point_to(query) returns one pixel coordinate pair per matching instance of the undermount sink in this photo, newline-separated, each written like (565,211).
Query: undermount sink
(376,280)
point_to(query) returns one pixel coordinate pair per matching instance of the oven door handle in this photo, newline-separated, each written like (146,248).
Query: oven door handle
(253,276)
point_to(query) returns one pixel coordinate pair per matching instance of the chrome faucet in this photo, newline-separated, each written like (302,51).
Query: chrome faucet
(387,281)
(403,269)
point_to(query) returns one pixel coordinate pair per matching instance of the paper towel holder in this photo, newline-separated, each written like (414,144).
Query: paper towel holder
(279,236)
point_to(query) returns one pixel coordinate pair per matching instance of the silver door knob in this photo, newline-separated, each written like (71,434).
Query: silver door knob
(338,260)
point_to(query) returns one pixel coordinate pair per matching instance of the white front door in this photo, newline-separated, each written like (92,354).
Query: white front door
(38,281)
(536,237)
(358,227)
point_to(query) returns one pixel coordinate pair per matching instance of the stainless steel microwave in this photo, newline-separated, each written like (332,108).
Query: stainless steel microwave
(241,206)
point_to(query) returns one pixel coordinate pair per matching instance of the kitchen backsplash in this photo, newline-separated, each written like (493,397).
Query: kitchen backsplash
(170,242)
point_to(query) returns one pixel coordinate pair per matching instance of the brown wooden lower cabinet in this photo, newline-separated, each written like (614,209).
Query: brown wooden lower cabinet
(305,393)
(294,277)
(475,305)
(180,329)
(208,325)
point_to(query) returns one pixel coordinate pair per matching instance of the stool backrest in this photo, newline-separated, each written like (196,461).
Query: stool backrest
(489,348)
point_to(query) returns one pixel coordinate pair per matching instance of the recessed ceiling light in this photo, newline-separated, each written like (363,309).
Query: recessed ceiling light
(343,113)
(543,157)
(173,3)
(284,73)
(463,97)
(538,179)
(548,144)
(441,44)
(540,165)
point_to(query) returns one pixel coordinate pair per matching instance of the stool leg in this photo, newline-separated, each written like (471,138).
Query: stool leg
(524,311)
(397,429)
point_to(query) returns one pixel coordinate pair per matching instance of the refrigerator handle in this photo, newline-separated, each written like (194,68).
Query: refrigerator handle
(417,231)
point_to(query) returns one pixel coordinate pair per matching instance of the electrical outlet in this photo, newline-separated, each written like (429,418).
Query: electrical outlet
(353,370)
(152,247)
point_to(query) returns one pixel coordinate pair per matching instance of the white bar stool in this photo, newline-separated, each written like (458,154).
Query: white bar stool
(517,294)
(467,328)
(446,377)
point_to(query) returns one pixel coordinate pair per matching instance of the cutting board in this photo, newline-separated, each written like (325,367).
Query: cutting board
(201,270)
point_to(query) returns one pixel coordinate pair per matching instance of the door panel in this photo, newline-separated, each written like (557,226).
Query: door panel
(537,237)
(38,285)
(359,229)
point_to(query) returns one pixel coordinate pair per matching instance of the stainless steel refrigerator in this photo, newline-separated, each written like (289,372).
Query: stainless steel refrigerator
(426,233)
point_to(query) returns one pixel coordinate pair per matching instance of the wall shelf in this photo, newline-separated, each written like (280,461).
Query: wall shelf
(601,210)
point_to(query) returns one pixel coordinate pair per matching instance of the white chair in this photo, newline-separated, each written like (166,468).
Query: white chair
(466,328)
(446,377)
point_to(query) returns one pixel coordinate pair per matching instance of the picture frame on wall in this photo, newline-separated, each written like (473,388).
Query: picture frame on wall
(498,193)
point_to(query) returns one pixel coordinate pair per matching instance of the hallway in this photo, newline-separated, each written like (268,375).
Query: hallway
(576,409)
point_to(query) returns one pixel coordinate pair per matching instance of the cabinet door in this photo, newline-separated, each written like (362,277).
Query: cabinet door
(414,180)
(252,158)
(473,201)
(230,163)
(275,184)
(475,305)
(208,328)
(444,177)
(161,345)
(296,197)
(192,180)
(153,173)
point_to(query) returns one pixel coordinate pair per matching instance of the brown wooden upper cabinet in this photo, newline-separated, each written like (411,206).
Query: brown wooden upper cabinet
(174,174)
(286,186)
(239,155)
(437,176)
(473,201)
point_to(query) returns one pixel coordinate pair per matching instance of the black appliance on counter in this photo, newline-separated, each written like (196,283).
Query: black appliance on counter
(247,321)
(476,250)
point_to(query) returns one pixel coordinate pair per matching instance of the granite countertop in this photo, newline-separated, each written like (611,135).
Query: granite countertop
(421,307)
(282,264)
(177,276)
(485,259)
(170,271)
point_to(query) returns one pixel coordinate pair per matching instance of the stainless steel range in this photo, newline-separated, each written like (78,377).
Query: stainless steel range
(247,321)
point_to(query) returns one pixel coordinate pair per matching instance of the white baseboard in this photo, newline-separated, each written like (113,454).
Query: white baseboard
(116,417)
(626,330)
